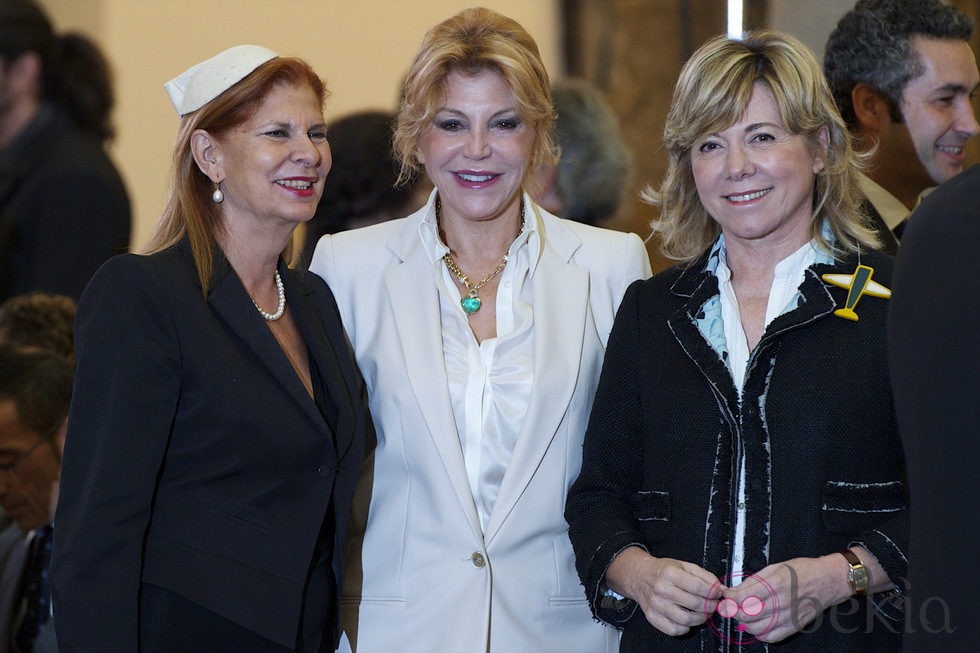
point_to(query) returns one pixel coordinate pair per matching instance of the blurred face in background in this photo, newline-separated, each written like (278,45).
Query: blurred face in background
(30,466)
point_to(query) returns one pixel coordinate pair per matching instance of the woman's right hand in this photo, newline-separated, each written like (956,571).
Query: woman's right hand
(675,596)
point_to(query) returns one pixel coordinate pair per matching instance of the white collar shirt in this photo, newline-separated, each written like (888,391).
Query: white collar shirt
(889,207)
(786,280)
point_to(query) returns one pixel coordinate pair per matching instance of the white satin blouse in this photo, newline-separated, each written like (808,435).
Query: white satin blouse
(489,382)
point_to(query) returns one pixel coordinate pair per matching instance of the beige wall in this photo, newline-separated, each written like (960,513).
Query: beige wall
(361,47)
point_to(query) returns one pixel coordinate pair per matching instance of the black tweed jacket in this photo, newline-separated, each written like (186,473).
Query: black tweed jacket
(817,424)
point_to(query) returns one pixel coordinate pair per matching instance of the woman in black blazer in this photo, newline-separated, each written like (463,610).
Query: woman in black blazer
(218,421)
(742,483)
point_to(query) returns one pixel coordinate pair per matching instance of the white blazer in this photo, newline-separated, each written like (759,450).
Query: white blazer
(421,574)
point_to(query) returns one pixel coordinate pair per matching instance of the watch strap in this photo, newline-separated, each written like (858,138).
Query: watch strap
(857,575)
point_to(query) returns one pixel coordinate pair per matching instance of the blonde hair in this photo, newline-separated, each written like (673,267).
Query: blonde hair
(189,211)
(712,93)
(471,42)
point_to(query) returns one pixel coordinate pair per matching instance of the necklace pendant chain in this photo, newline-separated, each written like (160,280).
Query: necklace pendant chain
(280,307)
(471,302)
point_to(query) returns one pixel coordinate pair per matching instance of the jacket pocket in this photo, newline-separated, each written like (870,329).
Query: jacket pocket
(853,507)
(651,508)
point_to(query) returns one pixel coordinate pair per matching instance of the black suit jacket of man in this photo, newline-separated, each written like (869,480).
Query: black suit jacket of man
(63,208)
(195,458)
(934,338)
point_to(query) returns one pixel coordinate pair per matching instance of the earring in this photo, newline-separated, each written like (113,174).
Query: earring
(217,195)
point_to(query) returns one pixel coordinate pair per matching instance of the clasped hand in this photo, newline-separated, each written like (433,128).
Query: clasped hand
(778,601)
(675,596)
(783,598)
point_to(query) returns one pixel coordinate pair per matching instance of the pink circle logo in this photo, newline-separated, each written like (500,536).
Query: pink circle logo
(727,610)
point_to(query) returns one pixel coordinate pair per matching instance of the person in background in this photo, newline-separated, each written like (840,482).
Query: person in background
(742,480)
(35,390)
(935,370)
(479,323)
(218,421)
(361,189)
(903,74)
(595,167)
(39,320)
(63,206)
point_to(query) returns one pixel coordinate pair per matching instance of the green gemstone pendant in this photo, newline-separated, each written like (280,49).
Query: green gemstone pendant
(471,303)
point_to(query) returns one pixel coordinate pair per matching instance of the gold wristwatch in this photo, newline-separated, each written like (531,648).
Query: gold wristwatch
(857,575)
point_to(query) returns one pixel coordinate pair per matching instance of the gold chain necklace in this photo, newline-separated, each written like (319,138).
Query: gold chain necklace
(471,302)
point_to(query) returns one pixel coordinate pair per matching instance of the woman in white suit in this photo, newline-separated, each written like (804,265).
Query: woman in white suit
(479,323)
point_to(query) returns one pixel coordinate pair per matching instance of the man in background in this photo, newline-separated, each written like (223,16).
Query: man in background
(934,355)
(902,73)
(63,206)
(35,391)
(36,369)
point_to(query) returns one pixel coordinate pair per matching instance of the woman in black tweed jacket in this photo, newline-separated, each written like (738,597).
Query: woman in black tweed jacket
(742,483)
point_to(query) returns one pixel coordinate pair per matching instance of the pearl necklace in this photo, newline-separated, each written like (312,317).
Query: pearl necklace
(471,303)
(280,307)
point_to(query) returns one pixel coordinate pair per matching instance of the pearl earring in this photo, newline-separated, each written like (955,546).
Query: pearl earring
(217,195)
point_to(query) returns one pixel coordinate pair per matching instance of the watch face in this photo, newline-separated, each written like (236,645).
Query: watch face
(857,573)
(859,579)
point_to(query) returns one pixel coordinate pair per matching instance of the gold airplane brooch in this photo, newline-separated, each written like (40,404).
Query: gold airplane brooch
(858,285)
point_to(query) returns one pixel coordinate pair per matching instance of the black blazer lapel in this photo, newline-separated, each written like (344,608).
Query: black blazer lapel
(231,303)
(696,287)
(324,335)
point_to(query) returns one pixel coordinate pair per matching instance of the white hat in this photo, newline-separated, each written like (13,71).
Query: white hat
(201,83)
